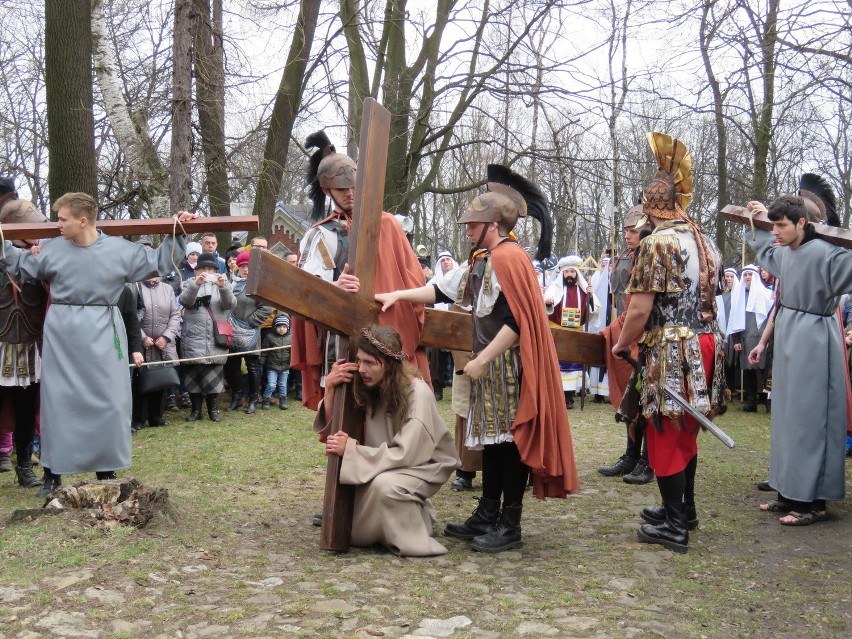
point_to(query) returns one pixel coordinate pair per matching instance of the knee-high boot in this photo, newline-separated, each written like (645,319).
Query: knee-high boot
(673,533)
(195,413)
(213,407)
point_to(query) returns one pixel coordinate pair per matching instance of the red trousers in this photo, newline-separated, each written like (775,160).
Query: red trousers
(669,451)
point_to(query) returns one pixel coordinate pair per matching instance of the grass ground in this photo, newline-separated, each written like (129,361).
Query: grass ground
(243,560)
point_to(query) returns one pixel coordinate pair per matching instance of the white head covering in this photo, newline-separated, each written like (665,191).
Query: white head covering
(442,255)
(571,261)
(193,247)
(759,301)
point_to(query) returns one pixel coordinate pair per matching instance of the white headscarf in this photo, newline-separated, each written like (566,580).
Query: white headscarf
(555,288)
(758,301)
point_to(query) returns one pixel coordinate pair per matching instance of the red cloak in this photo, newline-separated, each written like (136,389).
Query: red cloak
(396,268)
(541,430)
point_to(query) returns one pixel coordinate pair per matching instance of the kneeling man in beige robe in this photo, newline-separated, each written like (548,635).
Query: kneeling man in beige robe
(407,453)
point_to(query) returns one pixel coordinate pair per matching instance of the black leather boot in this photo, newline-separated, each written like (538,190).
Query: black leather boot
(51,483)
(641,473)
(480,522)
(26,477)
(251,408)
(282,402)
(505,535)
(236,402)
(749,404)
(195,413)
(213,407)
(673,533)
(656,515)
(624,466)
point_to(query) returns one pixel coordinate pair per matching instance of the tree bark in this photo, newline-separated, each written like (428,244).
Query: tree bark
(287,103)
(723,197)
(133,141)
(72,163)
(210,96)
(180,180)
(763,119)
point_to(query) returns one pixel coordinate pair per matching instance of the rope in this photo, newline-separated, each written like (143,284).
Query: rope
(195,359)
(175,222)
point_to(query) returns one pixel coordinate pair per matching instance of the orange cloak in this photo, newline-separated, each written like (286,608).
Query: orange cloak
(396,268)
(541,430)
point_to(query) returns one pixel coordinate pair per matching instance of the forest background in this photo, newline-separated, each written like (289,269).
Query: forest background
(194,104)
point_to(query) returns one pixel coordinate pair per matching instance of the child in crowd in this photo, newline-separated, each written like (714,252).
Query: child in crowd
(277,363)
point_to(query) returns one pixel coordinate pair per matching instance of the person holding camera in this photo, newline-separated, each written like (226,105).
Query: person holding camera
(206,298)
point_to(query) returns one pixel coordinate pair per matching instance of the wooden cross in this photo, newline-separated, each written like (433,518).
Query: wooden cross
(831,234)
(155,226)
(285,286)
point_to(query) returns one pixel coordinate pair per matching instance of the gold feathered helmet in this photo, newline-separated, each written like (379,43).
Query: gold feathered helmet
(670,192)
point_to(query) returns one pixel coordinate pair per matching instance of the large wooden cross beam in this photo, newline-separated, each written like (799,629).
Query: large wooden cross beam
(285,286)
(155,226)
(831,234)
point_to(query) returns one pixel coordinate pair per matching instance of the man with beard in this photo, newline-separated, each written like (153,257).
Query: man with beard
(572,301)
(809,417)
(407,453)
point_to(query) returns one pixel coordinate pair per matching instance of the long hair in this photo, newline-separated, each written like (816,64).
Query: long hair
(396,382)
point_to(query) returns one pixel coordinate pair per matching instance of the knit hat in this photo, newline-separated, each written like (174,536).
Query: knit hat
(243,258)
(194,247)
(206,259)
(283,320)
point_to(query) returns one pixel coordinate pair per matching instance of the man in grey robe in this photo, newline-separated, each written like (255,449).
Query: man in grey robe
(807,453)
(85,391)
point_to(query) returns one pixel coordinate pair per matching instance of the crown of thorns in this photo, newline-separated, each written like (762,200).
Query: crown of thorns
(385,350)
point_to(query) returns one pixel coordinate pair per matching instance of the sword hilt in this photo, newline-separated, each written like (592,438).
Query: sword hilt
(626,357)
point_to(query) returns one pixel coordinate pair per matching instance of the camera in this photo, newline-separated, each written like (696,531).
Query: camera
(211,278)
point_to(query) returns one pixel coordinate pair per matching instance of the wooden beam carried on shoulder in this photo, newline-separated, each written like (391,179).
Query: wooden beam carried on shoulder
(154,226)
(831,234)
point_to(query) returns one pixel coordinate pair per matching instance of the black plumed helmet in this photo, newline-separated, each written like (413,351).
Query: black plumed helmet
(536,204)
(817,189)
(321,142)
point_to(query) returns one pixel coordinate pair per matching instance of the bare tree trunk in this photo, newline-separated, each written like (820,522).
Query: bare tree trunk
(210,96)
(287,102)
(72,163)
(708,31)
(359,82)
(133,141)
(763,119)
(180,180)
